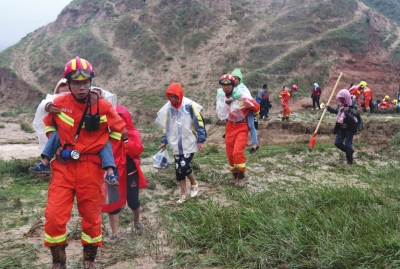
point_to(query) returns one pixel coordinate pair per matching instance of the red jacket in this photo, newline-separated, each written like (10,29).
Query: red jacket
(133,149)
(316,92)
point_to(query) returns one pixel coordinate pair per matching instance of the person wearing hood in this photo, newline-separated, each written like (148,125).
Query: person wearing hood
(80,174)
(315,96)
(127,157)
(346,123)
(184,131)
(234,106)
(240,88)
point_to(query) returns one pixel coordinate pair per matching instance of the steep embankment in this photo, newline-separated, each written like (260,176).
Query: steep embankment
(138,48)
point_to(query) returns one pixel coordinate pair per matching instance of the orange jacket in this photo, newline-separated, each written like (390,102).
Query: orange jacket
(356,91)
(367,92)
(285,96)
(68,120)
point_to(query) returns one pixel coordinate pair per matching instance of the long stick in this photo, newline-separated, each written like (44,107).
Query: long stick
(323,113)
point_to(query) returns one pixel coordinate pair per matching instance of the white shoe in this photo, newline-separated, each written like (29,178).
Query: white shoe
(182,199)
(194,190)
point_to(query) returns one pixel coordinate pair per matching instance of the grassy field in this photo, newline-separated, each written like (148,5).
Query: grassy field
(299,210)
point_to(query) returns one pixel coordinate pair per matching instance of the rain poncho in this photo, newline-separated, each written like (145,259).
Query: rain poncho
(182,124)
(38,124)
(241,99)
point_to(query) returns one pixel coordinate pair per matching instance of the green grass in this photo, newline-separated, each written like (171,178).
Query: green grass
(305,210)
(27,127)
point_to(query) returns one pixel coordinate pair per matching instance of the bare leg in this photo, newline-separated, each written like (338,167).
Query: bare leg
(191,178)
(182,185)
(114,221)
(136,215)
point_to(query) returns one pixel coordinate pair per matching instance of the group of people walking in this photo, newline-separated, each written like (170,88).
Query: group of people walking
(94,141)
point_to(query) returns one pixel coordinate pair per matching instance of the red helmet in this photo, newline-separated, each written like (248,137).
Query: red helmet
(227,79)
(294,87)
(78,69)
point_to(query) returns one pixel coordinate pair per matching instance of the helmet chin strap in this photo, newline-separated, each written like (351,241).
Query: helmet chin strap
(79,100)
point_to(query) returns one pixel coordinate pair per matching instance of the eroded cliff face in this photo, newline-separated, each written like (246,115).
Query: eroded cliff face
(16,92)
(139,47)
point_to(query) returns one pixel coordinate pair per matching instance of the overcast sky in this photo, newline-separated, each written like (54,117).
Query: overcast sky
(21,17)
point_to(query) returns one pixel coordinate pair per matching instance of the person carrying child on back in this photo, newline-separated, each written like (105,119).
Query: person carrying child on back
(348,118)
(240,88)
(53,142)
(235,111)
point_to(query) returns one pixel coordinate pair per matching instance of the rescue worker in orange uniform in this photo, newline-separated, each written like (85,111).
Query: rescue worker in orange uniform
(385,104)
(284,95)
(367,94)
(84,127)
(235,111)
(355,93)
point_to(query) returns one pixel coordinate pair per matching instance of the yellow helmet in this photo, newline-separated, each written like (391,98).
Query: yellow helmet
(363,84)
(322,105)
(395,101)
(387,97)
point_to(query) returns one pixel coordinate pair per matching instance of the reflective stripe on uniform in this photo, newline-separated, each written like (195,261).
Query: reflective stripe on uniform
(103,119)
(55,239)
(90,240)
(231,168)
(240,165)
(116,135)
(65,118)
(50,129)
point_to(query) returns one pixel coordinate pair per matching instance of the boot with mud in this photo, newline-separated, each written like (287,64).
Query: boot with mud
(89,254)
(59,257)
(234,178)
(240,183)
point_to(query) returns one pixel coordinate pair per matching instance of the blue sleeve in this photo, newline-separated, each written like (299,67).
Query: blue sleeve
(164,139)
(198,125)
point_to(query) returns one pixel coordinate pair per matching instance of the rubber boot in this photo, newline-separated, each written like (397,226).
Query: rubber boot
(240,183)
(283,119)
(89,254)
(59,257)
(287,119)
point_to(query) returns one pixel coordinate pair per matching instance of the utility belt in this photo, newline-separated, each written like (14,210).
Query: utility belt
(74,155)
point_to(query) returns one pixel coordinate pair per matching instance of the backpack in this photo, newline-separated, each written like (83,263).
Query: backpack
(265,96)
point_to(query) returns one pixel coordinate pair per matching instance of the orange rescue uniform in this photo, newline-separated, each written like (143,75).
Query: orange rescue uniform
(367,93)
(285,97)
(356,92)
(82,177)
(236,132)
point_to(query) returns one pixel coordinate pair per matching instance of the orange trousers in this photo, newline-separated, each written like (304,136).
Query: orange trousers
(359,105)
(235,141)
(286,109)
(367,101)
(83,179)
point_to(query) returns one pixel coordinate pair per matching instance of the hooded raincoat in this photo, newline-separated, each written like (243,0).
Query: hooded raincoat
(182,123)
(121,151)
